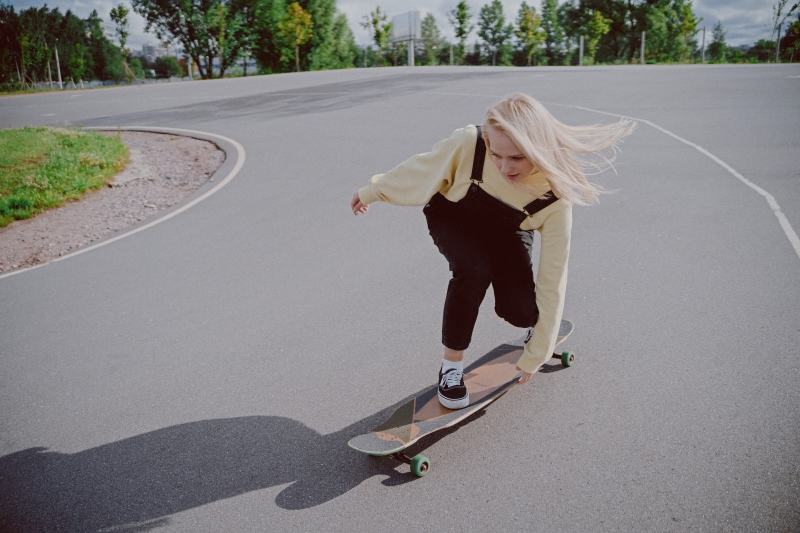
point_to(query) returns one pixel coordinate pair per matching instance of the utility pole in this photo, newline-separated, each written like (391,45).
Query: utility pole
(778,45)
(58,68)
(412,27)
(451,54)
(642,52)
(704,45)
(580,54)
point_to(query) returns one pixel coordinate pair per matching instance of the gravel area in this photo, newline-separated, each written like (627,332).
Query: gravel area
(163,170)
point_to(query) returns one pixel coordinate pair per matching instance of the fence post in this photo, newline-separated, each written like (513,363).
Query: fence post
(704,45)
(641,55)
(580,54)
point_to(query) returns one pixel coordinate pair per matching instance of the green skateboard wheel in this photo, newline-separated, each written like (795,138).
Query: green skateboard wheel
(567,359)
(420,465)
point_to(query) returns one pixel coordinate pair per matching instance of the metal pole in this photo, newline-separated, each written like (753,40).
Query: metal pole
(451,54)
(411,31)
(411,53)
(58,68)
(365,56)
(704,44)
(642,53)
(778,45)
(580,54)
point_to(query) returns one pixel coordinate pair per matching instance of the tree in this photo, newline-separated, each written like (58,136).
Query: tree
(206,28)
(381,30)
(296,29)
(460,19)
(554,33)
(493,30)
(597,26)
(717,48)
(119,16)
(431,39)
(688,27)
(167,67)
(529,32)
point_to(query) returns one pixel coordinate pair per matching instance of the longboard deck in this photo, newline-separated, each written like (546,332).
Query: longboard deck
(486,379)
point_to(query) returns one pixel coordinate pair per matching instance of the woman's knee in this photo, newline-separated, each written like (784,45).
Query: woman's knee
(521,315)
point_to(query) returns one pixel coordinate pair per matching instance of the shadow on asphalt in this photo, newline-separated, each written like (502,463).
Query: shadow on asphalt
(135,484)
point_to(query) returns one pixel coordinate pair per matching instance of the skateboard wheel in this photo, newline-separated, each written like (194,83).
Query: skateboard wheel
(420,465)
(567,359)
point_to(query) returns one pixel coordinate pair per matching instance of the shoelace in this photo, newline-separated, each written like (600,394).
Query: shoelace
(451,379)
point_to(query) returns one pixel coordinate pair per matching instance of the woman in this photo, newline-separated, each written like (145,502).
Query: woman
(482,214)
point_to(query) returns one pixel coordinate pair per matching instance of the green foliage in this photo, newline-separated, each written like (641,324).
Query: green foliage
(136,67)
(717,48)
(432,42)
(460,18)
(530,36)
(495,33)
(295,29)
(119,16)
(167,67)
(41,168)
(597,26)
(209,29)
(381,31)
(31,37)
(554,40)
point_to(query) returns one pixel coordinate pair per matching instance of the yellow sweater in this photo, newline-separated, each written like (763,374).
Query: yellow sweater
(447,169)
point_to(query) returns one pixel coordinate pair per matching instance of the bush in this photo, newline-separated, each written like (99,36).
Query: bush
(167,66)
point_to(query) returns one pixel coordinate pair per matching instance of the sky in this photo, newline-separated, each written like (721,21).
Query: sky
(745,21)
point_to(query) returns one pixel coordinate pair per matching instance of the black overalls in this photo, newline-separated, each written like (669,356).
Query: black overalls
(481,239)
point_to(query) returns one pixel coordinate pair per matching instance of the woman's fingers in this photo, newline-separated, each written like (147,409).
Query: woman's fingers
(356,205)
(525,377)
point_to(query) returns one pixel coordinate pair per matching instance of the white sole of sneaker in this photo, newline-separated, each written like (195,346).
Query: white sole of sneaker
(454,404)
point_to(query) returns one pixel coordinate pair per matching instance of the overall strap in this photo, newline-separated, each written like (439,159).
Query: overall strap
(539,204)
(477,162)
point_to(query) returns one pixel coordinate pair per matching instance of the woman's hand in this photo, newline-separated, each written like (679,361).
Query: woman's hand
(357,206)
(525,377)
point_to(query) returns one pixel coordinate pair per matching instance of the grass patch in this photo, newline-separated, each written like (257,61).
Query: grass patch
(41,168)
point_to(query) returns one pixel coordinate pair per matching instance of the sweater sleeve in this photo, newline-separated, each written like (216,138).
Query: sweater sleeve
(551,286)
(416,180)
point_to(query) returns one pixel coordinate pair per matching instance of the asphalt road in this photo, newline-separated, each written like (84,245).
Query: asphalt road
(205,374)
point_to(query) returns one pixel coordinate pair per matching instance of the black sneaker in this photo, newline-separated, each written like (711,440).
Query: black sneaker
(452,392)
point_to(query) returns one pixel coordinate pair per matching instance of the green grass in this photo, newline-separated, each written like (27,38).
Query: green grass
(41,168)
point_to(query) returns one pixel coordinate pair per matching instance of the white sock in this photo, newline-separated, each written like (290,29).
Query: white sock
(449,365)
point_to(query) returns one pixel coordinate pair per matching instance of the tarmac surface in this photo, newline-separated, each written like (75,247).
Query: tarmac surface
(206,373)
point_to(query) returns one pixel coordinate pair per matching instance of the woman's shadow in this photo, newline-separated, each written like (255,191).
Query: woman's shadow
(135,484)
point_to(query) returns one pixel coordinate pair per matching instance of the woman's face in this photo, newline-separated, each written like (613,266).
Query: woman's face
(507,157)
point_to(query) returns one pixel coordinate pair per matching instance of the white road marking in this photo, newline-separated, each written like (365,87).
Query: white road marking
(239,163)
(784,222)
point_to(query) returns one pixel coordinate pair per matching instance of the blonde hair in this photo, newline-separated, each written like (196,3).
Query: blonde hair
(553,147)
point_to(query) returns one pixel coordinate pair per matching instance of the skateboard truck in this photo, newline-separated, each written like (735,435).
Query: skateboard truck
(419,463)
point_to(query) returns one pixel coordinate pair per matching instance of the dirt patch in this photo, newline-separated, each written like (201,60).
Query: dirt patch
(163,170)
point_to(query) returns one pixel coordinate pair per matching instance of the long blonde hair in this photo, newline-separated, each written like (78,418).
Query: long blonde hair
(553,147)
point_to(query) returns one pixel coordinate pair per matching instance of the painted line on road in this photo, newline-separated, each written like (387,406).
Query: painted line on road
(239,163)
(784,222)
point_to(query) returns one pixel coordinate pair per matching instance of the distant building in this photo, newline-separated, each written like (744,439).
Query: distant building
(151,51)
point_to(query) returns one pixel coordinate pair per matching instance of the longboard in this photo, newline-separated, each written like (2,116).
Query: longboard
(486,380)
